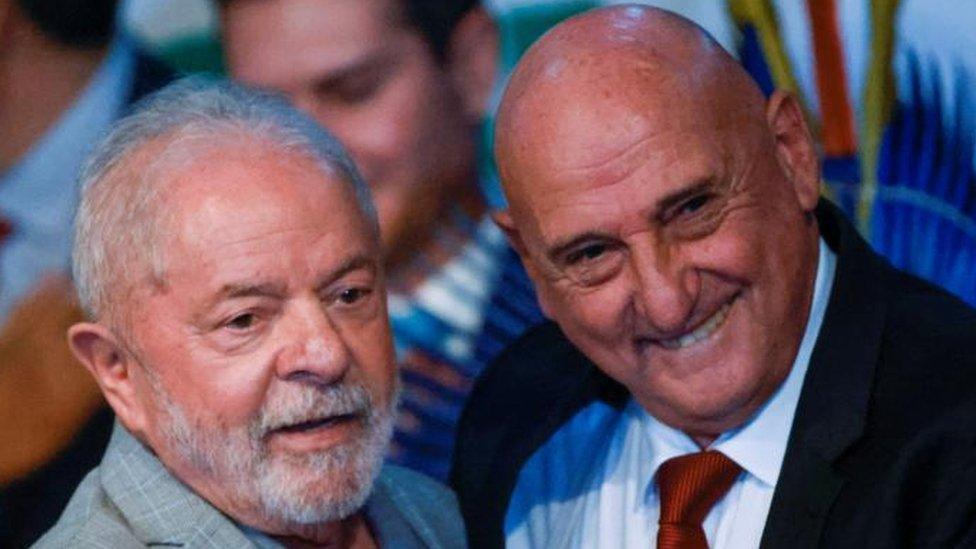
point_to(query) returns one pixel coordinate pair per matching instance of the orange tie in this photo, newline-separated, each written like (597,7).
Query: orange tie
(689,486)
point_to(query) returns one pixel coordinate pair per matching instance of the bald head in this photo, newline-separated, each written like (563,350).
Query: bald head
(601,80)
(663,208)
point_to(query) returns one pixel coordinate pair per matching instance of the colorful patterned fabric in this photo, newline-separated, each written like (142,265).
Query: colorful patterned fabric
(898,158)
(447,327)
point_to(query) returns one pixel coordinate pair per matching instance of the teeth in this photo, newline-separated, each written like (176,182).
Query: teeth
(702,332)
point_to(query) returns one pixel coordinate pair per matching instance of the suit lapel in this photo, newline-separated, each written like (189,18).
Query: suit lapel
(834,401)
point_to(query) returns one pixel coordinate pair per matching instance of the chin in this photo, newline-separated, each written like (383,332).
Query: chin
(704,408)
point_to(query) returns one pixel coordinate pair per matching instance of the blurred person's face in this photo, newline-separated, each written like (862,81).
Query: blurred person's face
(267,380)
(363,72)
(674,246)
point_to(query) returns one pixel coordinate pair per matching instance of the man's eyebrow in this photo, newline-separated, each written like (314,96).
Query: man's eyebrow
(353,263)
(669,201)
(235,290)
(278,290)
(371,61)
(561,247)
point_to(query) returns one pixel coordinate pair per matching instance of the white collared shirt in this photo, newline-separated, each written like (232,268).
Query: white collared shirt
(592,483)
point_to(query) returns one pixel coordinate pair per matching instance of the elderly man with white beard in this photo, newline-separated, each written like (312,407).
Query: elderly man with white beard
(227,254)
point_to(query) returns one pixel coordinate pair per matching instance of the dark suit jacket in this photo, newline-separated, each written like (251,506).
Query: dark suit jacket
(30,506)
(882,452)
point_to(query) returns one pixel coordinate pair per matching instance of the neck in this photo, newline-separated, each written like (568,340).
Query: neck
(39,80)
(352,532)
(703,441)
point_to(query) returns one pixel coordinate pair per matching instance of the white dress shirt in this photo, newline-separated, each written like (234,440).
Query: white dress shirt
(592,483)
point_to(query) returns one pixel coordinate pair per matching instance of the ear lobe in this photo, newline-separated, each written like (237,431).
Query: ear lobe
(472,59)
(101,352)
(795,151)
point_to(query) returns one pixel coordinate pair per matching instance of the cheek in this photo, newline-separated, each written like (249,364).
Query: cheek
(372,349)
(737,254)
(231,394)
(394,125)
(230,388)
(598,315)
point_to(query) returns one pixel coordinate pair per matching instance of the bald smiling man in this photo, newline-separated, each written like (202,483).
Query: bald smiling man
(730,364)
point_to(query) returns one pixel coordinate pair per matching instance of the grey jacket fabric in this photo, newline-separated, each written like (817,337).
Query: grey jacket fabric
(131,500)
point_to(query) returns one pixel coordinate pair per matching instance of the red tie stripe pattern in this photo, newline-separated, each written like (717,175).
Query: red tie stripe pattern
(689,486)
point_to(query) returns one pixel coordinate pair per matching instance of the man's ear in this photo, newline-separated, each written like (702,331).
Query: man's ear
(503,218)
(101,352)
(472,60)
(794,147)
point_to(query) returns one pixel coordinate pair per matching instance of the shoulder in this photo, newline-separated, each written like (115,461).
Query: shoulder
(529,373)
(927,356)
(533,388)
(411,487)
(429,506)
(926,490)
(929,319)
(514,392)
(90,520)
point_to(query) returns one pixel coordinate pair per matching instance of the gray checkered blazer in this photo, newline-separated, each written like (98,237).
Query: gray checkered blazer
(131,500)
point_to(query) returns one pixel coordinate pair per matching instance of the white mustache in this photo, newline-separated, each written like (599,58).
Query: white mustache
(312,404)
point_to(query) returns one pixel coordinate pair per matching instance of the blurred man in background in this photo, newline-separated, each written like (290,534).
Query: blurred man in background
(63,79)
(404,85)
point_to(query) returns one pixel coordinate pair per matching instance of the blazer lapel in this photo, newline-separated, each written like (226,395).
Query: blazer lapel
(834,402)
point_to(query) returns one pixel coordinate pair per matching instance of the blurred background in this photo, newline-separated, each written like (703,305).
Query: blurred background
(887,85)
(888,88)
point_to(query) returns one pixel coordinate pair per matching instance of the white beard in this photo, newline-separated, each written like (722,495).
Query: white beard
(298,489)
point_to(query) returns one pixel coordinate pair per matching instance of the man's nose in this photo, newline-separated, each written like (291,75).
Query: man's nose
(665,292)
(314,350)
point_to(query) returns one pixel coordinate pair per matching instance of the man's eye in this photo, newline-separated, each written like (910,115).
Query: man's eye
(353,295)
(587,253)
(593,263)
(358,92)
(694,204)
(353,89)
(242,322)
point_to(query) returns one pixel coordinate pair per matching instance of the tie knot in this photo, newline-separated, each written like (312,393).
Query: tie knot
(689,486)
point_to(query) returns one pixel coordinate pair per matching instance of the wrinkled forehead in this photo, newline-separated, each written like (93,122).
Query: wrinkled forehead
(596,123)
(246,185)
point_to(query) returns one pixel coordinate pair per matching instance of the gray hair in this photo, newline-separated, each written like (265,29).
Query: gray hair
(116,224)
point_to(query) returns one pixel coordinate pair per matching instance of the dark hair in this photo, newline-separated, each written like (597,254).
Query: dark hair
(74,23)
(436,19)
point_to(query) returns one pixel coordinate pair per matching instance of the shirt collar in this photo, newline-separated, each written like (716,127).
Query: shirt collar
(758,446)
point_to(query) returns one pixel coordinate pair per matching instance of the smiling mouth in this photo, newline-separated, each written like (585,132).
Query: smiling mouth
(701,333)
(314,424)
